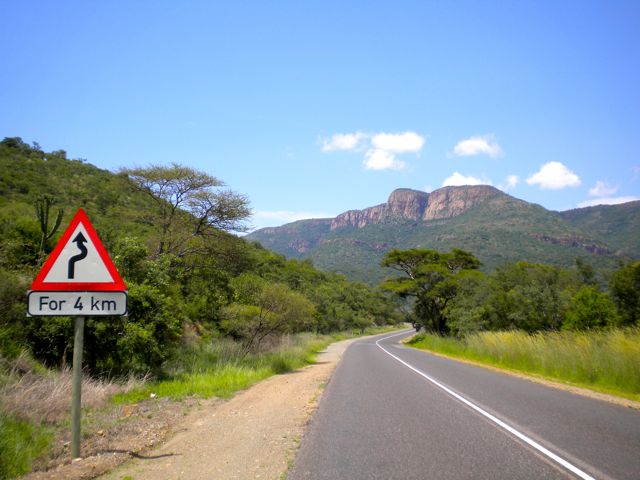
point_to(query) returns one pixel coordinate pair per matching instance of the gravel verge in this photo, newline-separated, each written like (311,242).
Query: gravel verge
(255,434)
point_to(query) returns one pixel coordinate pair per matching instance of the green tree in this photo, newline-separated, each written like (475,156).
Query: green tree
(189,204)
(528,296)
(431,278)
(469,311)
(590,309)
(586,271)
(625,289)
(263,309)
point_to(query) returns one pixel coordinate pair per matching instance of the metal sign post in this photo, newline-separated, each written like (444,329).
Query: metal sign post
(76,396)
(78,279)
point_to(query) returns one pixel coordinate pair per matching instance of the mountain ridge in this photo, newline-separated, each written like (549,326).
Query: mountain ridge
(405,203)
(497,227)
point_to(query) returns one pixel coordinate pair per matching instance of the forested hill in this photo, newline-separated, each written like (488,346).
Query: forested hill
(618,225)
(498,228)
(169,232)
(27,174)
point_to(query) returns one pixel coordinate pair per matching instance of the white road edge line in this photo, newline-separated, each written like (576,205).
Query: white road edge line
(529,441)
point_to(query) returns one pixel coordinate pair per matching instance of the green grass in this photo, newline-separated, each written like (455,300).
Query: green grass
(20,444)
(222,383)
(606,361)
(219,368)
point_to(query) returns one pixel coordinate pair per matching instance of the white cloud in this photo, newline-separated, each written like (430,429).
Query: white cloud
(510,182)
(380,149)
(343,141)
(484,144)
(377,159)
(398,142)
(457,179)
(554,176)
(607,201)
(602,189)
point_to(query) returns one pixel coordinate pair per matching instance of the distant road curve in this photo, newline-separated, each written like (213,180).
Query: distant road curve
(393,412)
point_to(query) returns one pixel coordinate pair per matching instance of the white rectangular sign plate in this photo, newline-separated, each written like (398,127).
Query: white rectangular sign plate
(77,303)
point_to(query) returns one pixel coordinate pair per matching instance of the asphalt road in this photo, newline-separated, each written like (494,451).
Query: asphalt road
(393,412)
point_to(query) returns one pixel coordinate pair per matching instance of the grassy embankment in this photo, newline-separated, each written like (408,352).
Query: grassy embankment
(606,361)
(35,406)
(219,369)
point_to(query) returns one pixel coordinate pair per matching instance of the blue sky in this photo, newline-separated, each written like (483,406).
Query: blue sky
(314,108)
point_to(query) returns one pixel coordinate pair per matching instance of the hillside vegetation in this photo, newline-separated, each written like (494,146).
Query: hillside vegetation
(166,229)
(208,311)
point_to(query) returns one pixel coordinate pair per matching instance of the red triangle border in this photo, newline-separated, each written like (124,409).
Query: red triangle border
(117,285)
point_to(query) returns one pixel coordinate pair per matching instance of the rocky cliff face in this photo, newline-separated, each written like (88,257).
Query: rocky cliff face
(406,204)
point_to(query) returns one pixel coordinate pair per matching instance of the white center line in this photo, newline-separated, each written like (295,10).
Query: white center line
(529,441)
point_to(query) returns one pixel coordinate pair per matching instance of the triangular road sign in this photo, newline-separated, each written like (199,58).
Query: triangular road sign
(79,262)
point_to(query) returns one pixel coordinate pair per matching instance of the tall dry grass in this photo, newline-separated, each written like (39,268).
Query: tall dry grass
(608,360)
(44,397)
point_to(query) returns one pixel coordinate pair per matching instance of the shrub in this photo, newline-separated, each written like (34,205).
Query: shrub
(138,343)
(625,289)
(588,309)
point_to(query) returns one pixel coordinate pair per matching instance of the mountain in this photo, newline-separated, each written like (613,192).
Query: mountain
(618,224)
(496,227)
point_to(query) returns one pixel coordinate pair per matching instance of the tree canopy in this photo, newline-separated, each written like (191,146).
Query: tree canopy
(188,204)
(432,278)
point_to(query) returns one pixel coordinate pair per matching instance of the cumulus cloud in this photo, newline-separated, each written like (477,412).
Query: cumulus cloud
(602,189)
(457,179)
(398,142)
(376,159)
(607,201)
(554,176)
(343,141)
(380,149)
(478,145)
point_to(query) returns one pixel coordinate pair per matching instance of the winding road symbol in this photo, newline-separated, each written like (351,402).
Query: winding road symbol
(79,263)
(80,240)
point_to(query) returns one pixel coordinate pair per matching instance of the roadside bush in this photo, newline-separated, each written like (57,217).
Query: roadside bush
(139,343)
(589,309)
(625,289)
(13,296)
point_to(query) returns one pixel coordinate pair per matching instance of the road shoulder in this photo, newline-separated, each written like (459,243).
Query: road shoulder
(253,435)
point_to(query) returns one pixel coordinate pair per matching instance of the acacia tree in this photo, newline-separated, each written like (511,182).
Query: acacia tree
(189,204)
(264,308)
(432,278)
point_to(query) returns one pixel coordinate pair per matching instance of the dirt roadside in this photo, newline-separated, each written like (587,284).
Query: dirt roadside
(253,435)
